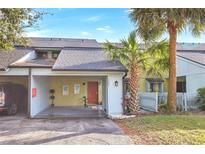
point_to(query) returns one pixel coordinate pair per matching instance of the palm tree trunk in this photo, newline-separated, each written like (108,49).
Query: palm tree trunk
(172,70)
(134,89)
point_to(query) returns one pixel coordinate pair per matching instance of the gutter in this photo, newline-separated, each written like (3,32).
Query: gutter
(29,94)
(16,66)
(100,70)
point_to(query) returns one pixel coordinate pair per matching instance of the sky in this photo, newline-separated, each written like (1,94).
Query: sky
(100,24)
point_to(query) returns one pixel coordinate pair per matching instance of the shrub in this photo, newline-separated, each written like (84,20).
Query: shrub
(201,98)
(202,107)
(163,107)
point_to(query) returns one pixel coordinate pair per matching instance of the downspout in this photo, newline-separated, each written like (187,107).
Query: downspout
(29,93)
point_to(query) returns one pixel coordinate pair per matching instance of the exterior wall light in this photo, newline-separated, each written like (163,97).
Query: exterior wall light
(116,83)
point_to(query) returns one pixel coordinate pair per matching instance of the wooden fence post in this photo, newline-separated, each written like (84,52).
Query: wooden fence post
(185,101)
(156,99)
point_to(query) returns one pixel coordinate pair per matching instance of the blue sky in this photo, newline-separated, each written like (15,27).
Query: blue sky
(99,24)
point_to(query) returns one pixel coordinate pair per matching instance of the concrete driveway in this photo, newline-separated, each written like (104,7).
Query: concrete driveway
(20,130)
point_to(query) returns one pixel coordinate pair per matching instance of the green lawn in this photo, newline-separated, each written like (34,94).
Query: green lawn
(165,129)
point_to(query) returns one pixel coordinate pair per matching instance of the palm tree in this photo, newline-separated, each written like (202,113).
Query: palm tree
(132,55)
(153,23)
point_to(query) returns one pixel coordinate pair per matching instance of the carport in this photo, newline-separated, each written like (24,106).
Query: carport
(23,81)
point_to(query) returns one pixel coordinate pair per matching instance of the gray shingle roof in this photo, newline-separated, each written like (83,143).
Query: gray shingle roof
(191,46)
(196,56)
(86,60)
(85,54)
(48,63)
(7,58)
(62,42)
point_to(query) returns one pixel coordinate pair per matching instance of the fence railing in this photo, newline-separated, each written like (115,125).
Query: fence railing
(151,100)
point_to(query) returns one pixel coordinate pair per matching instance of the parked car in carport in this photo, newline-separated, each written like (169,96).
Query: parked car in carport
(13,98)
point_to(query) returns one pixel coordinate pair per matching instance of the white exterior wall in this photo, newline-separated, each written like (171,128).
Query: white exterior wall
(41,101)
(195,74)
(194,82)
(114,95)
(104,93)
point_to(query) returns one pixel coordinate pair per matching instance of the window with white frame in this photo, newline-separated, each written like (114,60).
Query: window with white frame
(76,88)
(154,85)
(65,90)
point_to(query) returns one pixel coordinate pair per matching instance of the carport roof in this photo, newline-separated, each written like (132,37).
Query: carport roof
(44,63)
(86,60)
(7,58)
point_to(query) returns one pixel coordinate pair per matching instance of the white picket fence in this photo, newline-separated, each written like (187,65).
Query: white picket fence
(151,100)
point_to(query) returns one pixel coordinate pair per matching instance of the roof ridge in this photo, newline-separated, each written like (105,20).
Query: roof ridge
(60,38)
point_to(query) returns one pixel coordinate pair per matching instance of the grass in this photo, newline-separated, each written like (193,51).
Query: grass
(165,129)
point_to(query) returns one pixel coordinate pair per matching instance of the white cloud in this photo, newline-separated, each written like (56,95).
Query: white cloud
(85,33)
(93,18)
(37,33)
(106,29)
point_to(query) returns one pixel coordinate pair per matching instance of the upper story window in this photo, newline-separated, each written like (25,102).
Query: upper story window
(47,54)
(55,55)
(43,55)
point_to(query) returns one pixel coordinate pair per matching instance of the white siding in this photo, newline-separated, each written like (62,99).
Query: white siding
(41,101)
(195,74)
(114,94)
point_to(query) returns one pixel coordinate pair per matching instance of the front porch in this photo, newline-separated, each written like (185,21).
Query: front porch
(72,112)
(71,91)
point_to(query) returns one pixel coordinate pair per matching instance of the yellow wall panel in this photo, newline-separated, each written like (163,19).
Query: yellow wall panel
(71,99)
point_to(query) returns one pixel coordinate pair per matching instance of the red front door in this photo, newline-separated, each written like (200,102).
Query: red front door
(92,93)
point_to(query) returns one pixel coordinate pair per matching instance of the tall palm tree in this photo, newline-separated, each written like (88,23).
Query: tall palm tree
(153,23)
(137,58)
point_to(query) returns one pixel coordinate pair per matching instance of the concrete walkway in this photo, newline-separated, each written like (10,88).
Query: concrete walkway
(75,112)
(20,130)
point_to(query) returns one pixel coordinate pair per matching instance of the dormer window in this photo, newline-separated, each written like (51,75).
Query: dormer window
(55,55)
(47,54)
(43,55)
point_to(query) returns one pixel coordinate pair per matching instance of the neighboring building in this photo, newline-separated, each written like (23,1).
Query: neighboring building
(190,71)
(75,68)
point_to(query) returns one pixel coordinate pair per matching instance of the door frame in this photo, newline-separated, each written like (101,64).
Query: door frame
(97,93)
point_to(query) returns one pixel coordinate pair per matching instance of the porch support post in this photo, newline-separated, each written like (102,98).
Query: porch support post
(115,94)
(29,93)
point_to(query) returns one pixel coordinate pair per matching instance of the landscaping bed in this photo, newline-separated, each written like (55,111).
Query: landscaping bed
(165,129)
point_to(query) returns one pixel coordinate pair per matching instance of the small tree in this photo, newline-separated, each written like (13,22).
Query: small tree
(13,23)
(138,58)
(201,98)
